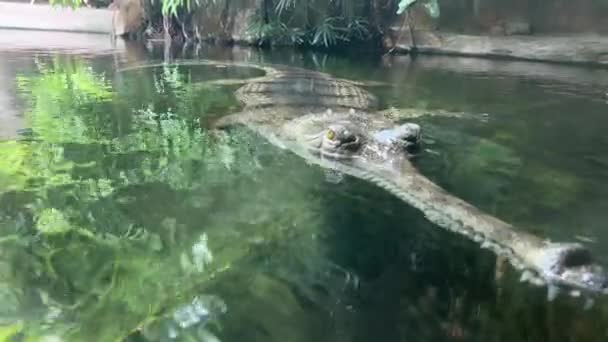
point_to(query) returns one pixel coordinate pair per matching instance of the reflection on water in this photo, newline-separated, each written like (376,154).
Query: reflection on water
(121,217)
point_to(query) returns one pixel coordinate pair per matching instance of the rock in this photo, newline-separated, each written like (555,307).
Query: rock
(587,49)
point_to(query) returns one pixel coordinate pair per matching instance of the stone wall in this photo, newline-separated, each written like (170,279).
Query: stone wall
(554,30)
(543,16)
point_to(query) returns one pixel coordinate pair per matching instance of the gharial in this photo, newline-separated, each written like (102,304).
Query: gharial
(334,123)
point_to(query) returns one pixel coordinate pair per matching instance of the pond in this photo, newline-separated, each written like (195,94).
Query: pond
(123,218)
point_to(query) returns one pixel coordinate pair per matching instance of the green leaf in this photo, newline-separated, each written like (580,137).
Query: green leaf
(404,4)
(7,332)
(52,221)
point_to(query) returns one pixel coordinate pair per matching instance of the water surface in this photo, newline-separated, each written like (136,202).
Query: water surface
(122,217)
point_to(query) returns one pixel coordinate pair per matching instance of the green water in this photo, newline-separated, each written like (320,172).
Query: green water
(121,217)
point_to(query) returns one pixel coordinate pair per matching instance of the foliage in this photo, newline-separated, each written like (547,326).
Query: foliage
(172,7)
(14,156)
(67,3)
(404,5)
(274,32)
(69,198)
(329,32)
(131,218)
(112,206)
(56,97)
(333,29)
(323,23)
(431,6)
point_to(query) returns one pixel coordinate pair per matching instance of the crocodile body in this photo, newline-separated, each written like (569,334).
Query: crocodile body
(333,123)
(565,267)
(305,89)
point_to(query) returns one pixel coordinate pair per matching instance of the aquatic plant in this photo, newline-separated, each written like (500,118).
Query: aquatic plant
(67,197)
(112,226)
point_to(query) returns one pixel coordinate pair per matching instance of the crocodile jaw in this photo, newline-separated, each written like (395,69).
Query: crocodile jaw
(567,266)
(561,266)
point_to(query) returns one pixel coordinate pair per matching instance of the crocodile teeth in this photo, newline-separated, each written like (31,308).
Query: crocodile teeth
(486,244)
(526,276)
(478,237)
(589,303)
(552,292)
(575,293)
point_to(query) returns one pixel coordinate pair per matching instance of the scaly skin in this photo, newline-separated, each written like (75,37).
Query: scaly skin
(365,152)
(296,109)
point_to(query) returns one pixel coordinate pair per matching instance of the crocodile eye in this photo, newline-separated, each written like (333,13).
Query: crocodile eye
(331,135)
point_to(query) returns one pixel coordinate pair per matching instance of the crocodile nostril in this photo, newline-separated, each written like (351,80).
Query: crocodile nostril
(410,138)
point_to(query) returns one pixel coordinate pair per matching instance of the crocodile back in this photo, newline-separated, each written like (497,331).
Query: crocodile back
(302,88)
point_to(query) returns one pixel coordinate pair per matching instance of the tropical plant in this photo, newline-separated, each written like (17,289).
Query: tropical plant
(274,32)
(322,23)
(296,23)
(432,6)
(171,7)
(67,3)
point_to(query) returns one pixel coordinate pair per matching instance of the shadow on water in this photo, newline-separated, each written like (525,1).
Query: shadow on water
(117,209)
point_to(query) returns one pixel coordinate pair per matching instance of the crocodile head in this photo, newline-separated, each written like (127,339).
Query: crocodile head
(341,141)
(369,148)
(341,138)
(569,266)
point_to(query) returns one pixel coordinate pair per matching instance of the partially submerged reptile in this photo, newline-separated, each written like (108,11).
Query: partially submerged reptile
(329,122)
(373,148)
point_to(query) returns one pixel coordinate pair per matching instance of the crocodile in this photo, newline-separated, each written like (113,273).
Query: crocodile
(336,124)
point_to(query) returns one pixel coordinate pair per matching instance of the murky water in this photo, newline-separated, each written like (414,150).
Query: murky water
(121,217)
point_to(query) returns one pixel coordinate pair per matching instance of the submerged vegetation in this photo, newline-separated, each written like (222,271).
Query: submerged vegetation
(118,218)
(70,249)
(123,219)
